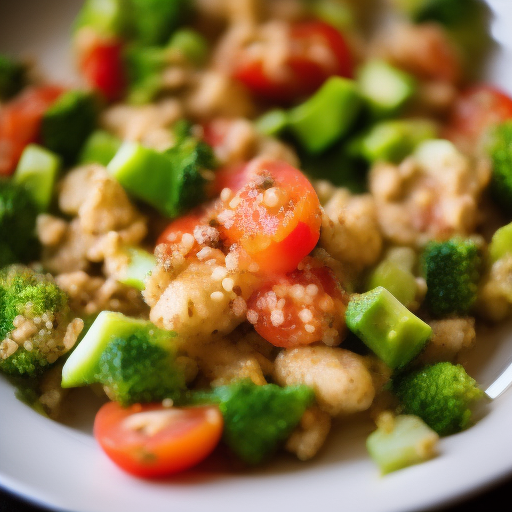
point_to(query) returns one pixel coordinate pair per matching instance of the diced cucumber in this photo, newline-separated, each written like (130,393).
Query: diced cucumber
(272,123)
(155,20)
(327,115)
(140,265)
(406,442)
(191,45)
(387,327)
(385,88)
(400,282)
(106,17)
(37,171)
(146,174)
(334,12)
(99,148)
(68,122)
(392,141)
(12,77)
(82,365)
(501,243)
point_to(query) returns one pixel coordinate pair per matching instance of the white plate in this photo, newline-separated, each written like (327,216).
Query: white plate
(62,467)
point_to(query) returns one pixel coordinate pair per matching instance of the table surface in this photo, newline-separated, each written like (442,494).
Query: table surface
(498,494)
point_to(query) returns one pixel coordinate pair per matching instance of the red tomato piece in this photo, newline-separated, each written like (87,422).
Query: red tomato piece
(233,177)
(300,308)
(152,441)
(178,227)
(275,217)
(316,51)
(20,123)
(103,68)
(475,111)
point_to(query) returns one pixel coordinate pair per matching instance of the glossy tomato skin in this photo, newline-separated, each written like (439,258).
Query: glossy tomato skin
(103,68)
(303,307)
(154,441)
(476,110)
(302,73)
(20,123)
(275,217)
(178,227)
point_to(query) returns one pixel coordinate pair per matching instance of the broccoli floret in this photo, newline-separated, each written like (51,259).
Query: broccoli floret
(68,122)
(500,151)
(452,270)
(17,224)
(34,319)
(441,394)
(12,77)
(135,370)
(257,419)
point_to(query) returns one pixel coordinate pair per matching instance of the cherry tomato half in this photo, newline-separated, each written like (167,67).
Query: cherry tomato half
(316,51)
(300,308)
(103,68)
(20,123)
(151,440)
(475,111)
(275,217)
(178,227)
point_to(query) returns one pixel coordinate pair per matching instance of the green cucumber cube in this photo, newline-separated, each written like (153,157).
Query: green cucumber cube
(385,88)
(99,148)
(140,265)
(146,174)
(327,115)
(387,327)
(106,17)
(272,123)
(82,365)
(37,171)
(501,243)
(409,441)
(397,280)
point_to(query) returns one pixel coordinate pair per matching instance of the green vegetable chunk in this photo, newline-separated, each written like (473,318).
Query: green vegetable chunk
(155,20)
(138,370)
(452,270)
(191,45)
(392,141)
(500,151)
(107,17)
(501,243)
(272,123)
(327,115)
(17,224)
(83,365)
(140,265)
(407,441)
(37,171)
(387,327)
(172,181)
(258,419)
(441,394)
(398,280)
(68,122)
(385,88)
(35,301)
(99,148)
(12,77)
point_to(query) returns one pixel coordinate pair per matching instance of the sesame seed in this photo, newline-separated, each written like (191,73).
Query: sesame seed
(297,291)
(306,316)
(252,316)
(217,296)
(28,346)
(187,240)
(219,273)
(277,317)
(281,303)
(312,289)
(234,202)
(309,328)
(253,267)
(204,253)
(225,194)
(167,402)
(227,284)
(271,197)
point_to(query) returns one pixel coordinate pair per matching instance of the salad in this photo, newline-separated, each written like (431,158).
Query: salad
(255,219)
